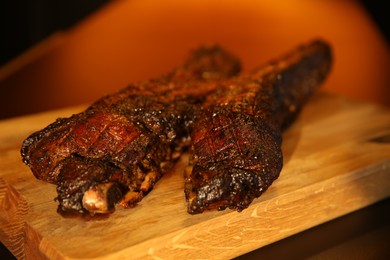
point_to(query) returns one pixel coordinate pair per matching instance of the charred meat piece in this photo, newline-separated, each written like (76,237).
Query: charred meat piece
(117,149)
(236,150)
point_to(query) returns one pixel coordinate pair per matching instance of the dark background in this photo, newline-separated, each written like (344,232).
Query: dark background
(25,23)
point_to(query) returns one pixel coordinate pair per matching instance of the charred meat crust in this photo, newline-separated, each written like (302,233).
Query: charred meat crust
(236,142)
(117,149)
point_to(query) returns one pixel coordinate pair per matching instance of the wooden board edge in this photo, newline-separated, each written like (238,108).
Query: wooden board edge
(275,217)
(21,239)
(13,213)
(209,240)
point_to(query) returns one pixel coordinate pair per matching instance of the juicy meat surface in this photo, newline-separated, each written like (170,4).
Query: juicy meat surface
(117,149)
(236,141)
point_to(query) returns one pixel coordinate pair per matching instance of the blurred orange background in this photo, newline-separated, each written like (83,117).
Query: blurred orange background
(134,40)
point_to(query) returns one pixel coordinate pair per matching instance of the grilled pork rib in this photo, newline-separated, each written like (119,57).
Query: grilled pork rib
(236,150)
(121,145)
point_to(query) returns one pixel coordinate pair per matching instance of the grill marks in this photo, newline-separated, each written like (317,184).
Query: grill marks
(116,150)
(237,139)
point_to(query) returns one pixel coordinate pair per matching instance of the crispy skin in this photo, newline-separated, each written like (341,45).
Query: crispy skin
(236,151)
(117,149)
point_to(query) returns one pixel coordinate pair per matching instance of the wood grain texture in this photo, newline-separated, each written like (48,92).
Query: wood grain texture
(336,160)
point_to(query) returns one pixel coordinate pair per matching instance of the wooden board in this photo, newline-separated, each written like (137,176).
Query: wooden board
(336,160)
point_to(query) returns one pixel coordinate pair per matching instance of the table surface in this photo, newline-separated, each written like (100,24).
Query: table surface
(100,55)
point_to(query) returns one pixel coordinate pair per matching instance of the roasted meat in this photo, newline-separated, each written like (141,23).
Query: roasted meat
(117,149)
(236,140)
